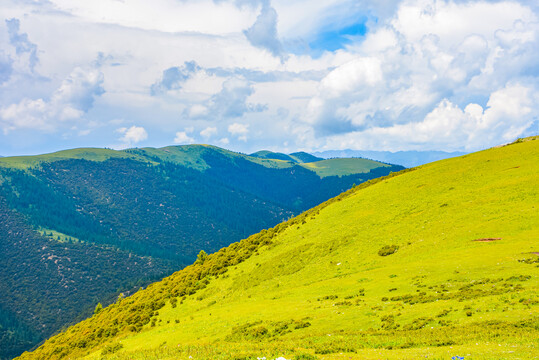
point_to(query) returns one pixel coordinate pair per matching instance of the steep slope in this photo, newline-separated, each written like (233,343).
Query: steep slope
(128,217)
(437,262)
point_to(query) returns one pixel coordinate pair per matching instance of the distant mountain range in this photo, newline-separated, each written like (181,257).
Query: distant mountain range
(436,262)
(404,158)
(79,226)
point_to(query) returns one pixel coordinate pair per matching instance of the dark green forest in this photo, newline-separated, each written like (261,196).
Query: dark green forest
(75,232)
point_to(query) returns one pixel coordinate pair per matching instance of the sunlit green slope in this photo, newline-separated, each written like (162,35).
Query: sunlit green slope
(436,262)
(342,167)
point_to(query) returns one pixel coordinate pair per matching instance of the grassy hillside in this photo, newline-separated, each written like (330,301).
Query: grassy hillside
(303,157)
(112,219)
(342,167)
(91,154)
(436,262)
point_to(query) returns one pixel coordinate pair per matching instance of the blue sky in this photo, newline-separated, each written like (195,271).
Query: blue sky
(267,74)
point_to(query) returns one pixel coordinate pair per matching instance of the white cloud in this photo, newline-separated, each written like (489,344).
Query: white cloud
(198,111)
(238,129)
(70,101)
(509,112)
(23,46)
(203,16)
(132,135)
(224,141)
(429,51)
(263,33)
(208,132)
(423,65)
(232,100)
(183,138)
(452,22)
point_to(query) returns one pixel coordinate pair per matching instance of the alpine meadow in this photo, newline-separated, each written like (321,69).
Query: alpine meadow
(269,180)
(439,261)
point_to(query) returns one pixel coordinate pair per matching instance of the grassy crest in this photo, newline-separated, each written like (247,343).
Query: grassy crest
(342,167)
(437,262)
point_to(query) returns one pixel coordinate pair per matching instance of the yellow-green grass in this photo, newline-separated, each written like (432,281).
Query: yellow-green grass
(340,167)
(323,279)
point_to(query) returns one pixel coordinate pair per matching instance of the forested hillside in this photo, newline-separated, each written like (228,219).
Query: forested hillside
(80,226)
(434,262)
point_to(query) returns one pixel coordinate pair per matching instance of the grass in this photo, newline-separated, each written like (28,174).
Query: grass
(57,236)
(440,294)
(93,154)
(342,167)
(190,156)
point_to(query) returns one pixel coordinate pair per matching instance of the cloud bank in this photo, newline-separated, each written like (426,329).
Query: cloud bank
(283,75)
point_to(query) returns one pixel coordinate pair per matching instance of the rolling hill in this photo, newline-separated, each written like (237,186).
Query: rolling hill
(78,227)
(404,158)
(435,262)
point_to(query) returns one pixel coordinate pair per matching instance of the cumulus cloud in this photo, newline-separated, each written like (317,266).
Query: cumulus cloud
(132,135)
(6,67)
(230,102)
(239,130)
(428,62)
(208,132)
(263,33)
(71,100)
(174,77)
(333,110)
(422,66)
(183,138)
(509,112)
(23,46)
(223,141)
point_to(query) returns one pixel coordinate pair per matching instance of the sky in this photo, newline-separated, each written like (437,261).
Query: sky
(283,75)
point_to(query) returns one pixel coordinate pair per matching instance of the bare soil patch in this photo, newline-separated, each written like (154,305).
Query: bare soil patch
(487,239)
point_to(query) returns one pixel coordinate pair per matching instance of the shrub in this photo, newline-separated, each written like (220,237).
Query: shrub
(304,357)
(111,349)
(388,250)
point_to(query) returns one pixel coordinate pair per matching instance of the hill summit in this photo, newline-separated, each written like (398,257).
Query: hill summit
(440,261)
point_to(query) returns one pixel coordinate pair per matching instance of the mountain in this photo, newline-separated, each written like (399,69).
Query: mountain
(297,157)
(404,158)
(434,262)
(303,157)
(78,227)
